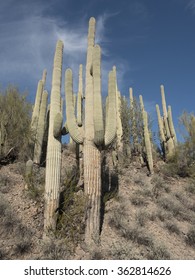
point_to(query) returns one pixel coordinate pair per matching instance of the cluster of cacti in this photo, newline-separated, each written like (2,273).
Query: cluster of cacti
(89,131)
(166,128)
(138,142)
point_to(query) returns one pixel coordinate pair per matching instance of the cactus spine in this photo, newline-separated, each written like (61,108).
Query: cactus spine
(93,136)
(53,161)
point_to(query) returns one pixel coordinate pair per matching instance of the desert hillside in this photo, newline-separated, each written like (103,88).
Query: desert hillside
(144,217)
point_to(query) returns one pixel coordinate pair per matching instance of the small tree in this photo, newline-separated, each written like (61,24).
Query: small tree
(15,132)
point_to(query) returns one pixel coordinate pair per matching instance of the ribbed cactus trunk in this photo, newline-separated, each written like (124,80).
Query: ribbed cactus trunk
(92,164)
(92,186)
(147,143)
(40,128)
(133,121)
(53,161)
(35,113)
(166,128)
(92,135)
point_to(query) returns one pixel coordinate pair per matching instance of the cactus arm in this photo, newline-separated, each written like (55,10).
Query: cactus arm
(97,99)
(147,142)
(119,123)
(80,97)
(79,109)
(171,126)
(110,130)
(160,124)
(119,130)
(73,129)
(141,103)
(81,80)
(44,77)
(40,128)
(131,98)
(57,127)
(35,114)
(164,106)
(133,121)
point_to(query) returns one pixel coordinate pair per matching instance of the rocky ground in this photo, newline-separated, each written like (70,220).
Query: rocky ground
(145,217)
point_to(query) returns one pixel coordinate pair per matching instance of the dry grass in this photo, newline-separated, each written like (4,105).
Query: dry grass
(146,218)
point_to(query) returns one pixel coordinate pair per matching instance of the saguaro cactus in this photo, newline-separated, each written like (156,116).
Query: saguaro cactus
(35,114)
(166,128)
(40,128)
(134,130)
(53,161)
(94,136)
(146,133)
(119,129)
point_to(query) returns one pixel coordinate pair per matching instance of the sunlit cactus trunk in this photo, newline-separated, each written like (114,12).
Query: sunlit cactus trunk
(40,128)
(133,121)
(53,161)
(147,137)
(147,143)
(35,113)
(93,136)
(166,128)
(92,164)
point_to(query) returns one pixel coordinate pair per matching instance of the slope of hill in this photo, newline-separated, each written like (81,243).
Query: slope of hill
(144,217)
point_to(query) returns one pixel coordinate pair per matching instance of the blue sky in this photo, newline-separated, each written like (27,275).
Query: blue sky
(151,42)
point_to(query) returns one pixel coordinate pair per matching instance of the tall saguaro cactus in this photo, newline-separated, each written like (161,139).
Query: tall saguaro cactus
(94,136)
(35,114)
(53,161)
(166,128)
(119,130)
(40,128)
(134,130)
(146,133)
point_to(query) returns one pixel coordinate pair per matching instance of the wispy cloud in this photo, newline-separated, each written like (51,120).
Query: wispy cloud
(28,38)
(28,41)
(191,5)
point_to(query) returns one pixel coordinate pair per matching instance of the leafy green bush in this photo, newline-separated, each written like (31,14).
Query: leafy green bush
(190,237)
(182,163)
(71,224)
(15,131)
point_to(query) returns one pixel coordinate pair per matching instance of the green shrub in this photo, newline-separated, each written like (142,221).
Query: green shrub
(70,224)
(172,227)
(190,237)
(158,252)
(15,131)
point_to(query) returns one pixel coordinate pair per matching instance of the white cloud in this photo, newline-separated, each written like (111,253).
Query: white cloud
(28,40)
(191,4)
